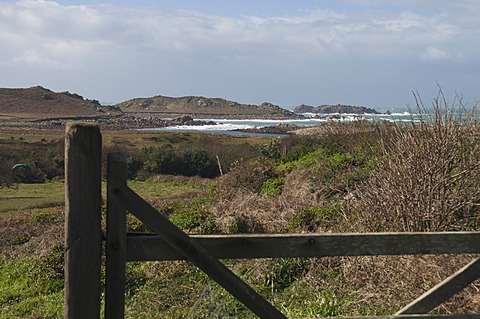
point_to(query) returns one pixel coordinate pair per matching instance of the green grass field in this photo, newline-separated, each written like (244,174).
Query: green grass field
(21,197)
(25,196)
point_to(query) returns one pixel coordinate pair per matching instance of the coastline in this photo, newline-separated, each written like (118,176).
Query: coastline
(246,124)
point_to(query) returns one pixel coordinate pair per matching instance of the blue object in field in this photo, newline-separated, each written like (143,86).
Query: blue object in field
(25,167)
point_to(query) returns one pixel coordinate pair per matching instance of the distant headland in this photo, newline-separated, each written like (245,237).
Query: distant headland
(41,106)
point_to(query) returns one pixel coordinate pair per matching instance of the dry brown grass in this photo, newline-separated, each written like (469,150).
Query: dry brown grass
(258,213)
(238,197)
(384,284)
(31,234)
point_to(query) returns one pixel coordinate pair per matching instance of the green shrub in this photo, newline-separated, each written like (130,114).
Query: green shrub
(305,301)
(191,162)
(297,146)
(195,162)
(284,272)
(161,160)
(243,223)
(49,270)
(134,166)
(19,240)
(135,225)
(250,177)
(135,278)
(271,149)
(339,161)
(273,186)
(312,218)
(44,218)
(192,217)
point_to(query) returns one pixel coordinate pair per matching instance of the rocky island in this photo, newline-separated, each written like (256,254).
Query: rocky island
(202,107)
(331,109)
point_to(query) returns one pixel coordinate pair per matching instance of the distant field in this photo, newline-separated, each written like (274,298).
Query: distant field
(25,196)
(19,116)
(22,197)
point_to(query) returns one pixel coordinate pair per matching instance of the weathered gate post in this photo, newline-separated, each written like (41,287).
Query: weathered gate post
(83,237)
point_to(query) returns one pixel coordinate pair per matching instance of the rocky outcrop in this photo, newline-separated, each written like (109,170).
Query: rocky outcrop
(189,121)
(338,108)
(122,122)
(303,108)
(202,107)
(277,129)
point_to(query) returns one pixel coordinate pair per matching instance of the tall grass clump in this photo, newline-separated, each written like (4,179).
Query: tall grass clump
(429,179)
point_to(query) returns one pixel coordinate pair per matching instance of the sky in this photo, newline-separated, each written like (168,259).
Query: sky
(358,52)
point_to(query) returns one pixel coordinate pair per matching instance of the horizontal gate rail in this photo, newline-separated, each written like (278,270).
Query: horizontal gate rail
(153,247)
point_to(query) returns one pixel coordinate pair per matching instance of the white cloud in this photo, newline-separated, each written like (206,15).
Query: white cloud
(42,23)
(182,50)
(434,54)
(35,59)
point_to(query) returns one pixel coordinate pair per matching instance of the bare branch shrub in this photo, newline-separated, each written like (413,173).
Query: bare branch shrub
(429,180)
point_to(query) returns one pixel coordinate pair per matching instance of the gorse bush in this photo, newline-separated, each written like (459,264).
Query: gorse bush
(271,149)
(315,218)
(273,186)
(192,217)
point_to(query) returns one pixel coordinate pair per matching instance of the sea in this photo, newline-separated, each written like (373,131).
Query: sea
(231,126)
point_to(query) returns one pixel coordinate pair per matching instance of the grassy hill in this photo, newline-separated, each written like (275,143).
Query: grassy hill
(38,102)
(200,106)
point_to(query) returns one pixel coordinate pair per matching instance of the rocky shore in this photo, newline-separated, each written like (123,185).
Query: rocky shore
(122,122)
(277,129)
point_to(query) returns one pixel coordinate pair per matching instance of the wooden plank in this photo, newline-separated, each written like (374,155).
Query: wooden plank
(444,290)
(83,237)
(199,256)
(116,239)
(147,247)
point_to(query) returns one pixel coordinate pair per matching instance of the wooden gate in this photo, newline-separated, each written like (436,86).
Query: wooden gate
(84,242)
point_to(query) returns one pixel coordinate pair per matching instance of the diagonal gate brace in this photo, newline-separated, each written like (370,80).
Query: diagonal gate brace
(444,290)
(197,254)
